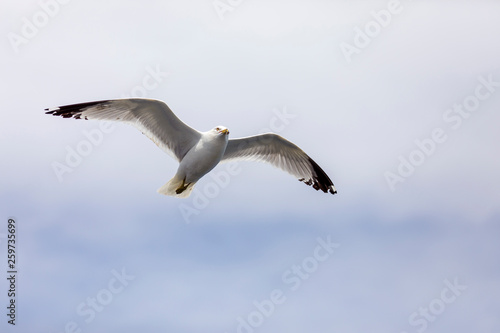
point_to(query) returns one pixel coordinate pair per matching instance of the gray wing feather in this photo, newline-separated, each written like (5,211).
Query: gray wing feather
(281,153)
(152,117)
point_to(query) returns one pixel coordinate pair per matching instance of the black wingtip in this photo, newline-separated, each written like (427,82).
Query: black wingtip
(320,180)
(72,110)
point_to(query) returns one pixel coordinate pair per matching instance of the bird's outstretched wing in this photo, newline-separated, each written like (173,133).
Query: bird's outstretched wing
(283,154)
(152,117)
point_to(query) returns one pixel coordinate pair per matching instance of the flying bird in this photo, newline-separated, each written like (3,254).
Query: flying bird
(198,152)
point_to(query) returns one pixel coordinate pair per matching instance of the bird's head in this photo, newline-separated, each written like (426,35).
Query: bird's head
(221,130)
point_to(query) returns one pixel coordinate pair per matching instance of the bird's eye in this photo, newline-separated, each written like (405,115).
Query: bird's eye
(218,129)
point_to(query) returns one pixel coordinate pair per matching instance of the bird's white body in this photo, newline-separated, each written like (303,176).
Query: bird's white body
(199,161)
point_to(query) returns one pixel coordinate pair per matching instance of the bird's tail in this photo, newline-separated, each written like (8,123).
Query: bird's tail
(177,187)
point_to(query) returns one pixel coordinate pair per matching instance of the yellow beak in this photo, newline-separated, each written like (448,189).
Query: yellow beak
(225,131)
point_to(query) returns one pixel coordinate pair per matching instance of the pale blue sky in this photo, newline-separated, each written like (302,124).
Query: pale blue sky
(359,116)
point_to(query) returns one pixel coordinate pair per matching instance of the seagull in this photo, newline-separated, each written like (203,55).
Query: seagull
(198,152)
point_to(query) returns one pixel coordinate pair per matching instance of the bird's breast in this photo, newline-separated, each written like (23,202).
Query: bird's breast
(203,157)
